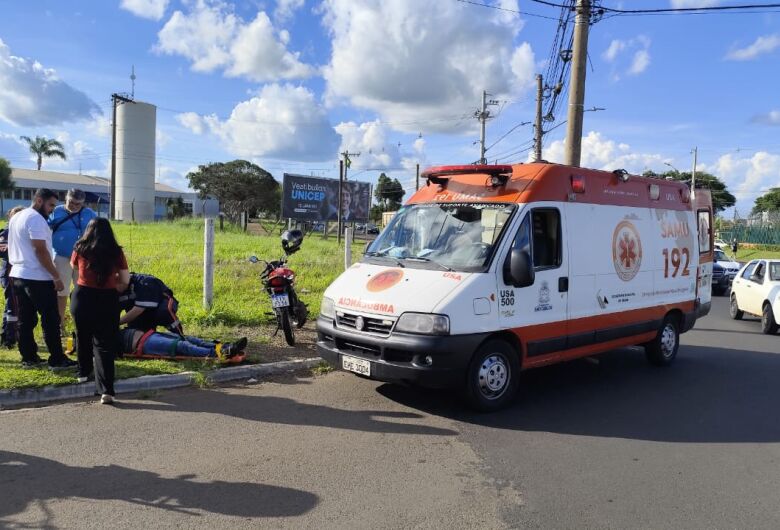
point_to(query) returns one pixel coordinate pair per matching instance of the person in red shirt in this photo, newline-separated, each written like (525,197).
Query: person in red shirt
(94,304)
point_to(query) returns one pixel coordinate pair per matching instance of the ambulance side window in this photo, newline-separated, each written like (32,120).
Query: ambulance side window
(704,231)
(540,235)
(546,238)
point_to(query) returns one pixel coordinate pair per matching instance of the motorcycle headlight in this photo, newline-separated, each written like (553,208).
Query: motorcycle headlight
(424,323)
(327,308)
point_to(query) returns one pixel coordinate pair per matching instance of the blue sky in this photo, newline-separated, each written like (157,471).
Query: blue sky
(288,84)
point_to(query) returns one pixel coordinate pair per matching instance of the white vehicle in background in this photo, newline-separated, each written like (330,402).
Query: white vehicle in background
(756,290)
(724,270)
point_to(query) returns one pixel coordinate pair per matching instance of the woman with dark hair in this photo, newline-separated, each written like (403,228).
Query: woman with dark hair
(102,275)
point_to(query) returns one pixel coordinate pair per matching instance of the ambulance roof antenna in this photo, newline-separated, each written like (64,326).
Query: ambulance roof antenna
(132,79)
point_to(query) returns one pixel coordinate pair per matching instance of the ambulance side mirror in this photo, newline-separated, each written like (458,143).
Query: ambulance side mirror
(521,270)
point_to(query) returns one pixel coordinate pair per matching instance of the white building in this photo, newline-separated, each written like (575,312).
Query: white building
(26,181)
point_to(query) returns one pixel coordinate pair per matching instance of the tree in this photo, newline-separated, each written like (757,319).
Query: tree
(6,183)
(239,186)
(721,197)
(44,147)
(389,193)
(768,202)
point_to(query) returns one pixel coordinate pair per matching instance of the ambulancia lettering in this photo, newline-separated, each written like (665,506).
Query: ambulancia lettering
(356,303)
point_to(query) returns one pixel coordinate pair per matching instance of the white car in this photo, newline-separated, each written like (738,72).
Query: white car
(756,290)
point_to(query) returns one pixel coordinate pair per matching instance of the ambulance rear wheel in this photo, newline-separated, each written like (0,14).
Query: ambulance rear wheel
(662,350)
(492,378)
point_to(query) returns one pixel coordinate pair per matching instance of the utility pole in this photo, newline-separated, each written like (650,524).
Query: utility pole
(538,126)
(693,173)
(343,166)
(482,116)
(417,181)
(577,85)
(115,99)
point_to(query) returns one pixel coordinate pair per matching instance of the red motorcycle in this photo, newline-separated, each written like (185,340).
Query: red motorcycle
(279,281)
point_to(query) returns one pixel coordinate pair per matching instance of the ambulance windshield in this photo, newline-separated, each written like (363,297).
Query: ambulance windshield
(458,237)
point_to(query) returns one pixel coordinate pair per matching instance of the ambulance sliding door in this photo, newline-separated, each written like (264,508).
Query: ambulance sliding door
(538,312)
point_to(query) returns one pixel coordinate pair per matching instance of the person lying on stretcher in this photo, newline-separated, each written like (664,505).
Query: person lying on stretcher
(134,342)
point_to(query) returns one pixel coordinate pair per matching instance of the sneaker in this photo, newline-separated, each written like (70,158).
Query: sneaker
(85,378)
(65,364)
(107,399)
(231,349)
(28,365)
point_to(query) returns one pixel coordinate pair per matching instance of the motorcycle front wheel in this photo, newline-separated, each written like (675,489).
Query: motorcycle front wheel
(283,315)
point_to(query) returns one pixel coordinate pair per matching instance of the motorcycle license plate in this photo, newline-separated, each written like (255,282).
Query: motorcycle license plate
(353,364)
(280,300)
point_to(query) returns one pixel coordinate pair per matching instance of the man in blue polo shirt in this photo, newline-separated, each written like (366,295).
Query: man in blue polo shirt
(67,223)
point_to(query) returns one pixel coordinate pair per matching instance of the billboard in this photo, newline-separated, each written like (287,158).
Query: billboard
(317,199)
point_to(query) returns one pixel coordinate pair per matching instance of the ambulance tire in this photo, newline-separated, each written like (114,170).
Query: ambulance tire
(662,350)
(492,376)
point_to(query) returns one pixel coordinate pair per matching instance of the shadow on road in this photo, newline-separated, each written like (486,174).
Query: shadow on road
(710,395)
(285,411)
(28,481)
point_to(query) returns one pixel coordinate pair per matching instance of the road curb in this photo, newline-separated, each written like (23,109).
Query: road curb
(33,396)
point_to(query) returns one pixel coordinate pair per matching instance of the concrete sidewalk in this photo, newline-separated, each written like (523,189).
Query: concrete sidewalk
(33,396)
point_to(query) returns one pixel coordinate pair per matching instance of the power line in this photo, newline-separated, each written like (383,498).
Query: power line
(682,9)
(499,8)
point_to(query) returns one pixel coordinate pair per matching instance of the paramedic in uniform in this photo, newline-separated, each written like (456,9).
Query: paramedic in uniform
(142,301)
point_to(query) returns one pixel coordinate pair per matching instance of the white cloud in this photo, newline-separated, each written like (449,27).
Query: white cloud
(282,121)
(688,4)
(422,65)
(261,55)
(151,9)
(770,118)
(192,121)
(748,177)
(161,138)
(370,140)
(599,152)
(13,149)
(172,177)
(765,44)
(32,95)
(615,47)
(640,60)
(212,37)
(285,9)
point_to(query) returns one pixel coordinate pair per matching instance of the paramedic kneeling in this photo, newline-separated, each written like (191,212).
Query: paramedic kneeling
(149,303)
(151,343)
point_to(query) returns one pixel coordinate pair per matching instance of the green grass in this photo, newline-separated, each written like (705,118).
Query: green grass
(174,253)
(747,254)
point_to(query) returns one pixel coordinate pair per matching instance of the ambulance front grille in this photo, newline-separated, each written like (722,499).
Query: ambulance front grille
(376,326)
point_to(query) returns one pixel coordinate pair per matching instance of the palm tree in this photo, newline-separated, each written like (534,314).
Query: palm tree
(43,146)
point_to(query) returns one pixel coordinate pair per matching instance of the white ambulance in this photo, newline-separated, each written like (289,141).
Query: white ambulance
(493,269)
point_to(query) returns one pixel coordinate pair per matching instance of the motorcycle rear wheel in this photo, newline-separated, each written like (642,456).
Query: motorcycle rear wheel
(284,322)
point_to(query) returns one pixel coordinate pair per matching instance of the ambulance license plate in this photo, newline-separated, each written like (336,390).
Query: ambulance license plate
(280,300)
(353,364)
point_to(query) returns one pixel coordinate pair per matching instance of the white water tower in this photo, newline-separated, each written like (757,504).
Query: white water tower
(136,125)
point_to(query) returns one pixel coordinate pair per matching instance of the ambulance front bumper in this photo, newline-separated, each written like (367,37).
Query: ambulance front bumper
(401,357)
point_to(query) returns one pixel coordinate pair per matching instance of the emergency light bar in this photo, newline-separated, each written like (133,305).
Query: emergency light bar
(499,174)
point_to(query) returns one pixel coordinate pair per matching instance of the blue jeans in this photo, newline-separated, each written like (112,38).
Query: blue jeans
(170,345)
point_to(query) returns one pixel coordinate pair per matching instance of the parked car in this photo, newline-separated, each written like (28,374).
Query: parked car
(372,229)
(756,290)
(724,269)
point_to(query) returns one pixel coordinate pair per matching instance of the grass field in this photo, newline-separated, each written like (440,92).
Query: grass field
(174,253)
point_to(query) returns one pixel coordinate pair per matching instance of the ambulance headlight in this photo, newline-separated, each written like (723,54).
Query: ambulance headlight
(424,324)
(327,308)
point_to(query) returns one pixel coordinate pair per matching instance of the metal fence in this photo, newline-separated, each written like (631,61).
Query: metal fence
(757,229)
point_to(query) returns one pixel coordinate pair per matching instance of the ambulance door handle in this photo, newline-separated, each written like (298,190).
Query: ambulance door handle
(563,284)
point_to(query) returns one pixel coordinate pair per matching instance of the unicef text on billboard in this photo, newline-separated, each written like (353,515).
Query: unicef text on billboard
(317,199)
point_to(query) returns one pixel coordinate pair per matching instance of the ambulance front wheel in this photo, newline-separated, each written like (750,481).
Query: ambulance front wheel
(662,350)
(492,378)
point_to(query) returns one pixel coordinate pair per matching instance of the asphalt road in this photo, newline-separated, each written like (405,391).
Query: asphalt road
(607,444)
